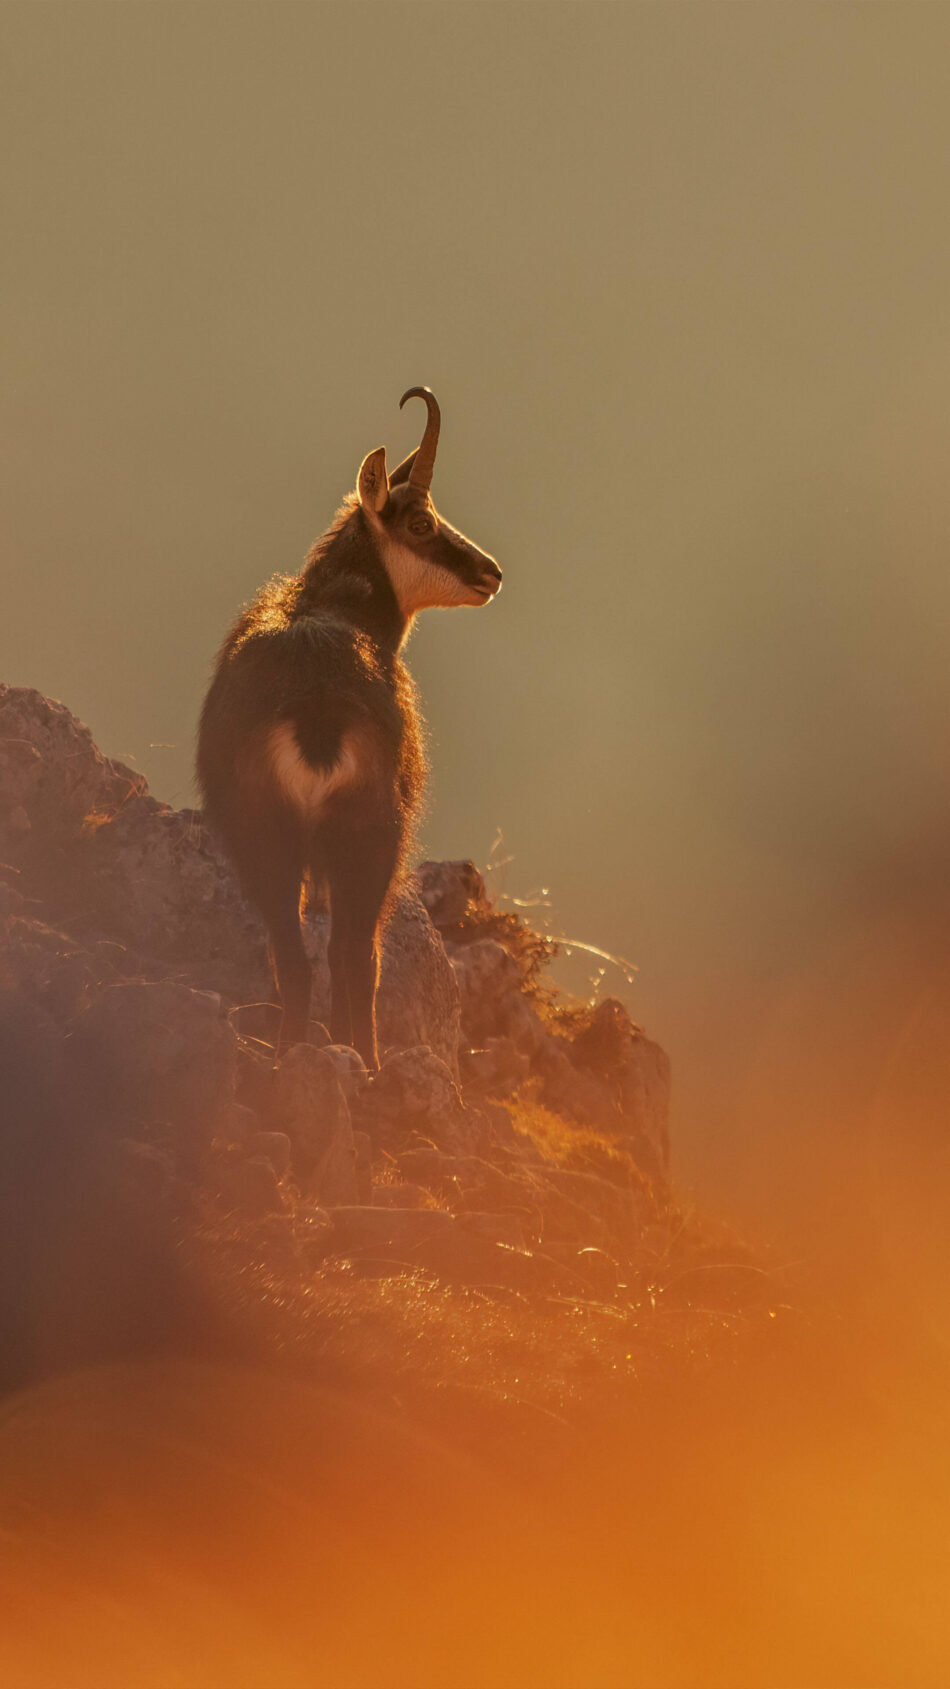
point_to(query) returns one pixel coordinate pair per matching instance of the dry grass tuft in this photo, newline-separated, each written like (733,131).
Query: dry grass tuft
(581,1149)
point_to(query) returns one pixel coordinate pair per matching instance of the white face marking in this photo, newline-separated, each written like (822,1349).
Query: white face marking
(420,585)
(305,787)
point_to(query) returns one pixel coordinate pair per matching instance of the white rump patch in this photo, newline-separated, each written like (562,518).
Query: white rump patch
(305,787)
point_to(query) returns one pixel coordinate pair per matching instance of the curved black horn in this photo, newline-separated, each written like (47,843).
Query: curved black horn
(420,475)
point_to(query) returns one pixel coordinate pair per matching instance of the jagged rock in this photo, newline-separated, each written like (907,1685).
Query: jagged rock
(12,899)
(603,1044)
(576,1094)
(350,1067)
(159,1052)
(103,884)
(449,891)
(412,1092)
(613,1049)
(162,883)
(52,778)
(497,1070)
(307,1103)
(49,968)
(88,834)
(274,1146)
(489,981)
(418,999)
(158,880)
(645,1102)
(250,1187)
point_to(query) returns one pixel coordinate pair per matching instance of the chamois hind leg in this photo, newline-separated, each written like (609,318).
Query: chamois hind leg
(341,1028)
(360,877)
(274,884)
(341,1015)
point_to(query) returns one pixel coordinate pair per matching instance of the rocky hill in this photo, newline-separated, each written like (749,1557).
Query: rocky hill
(512,1144)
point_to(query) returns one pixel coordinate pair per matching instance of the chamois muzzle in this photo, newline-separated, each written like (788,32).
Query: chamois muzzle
(420,475)
(490,579)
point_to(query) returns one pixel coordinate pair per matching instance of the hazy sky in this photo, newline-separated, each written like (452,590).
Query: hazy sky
(680,277)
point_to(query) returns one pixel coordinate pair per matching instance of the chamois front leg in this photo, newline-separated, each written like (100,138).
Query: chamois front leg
(358,889)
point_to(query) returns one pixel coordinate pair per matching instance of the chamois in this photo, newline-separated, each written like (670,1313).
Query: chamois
(310,755)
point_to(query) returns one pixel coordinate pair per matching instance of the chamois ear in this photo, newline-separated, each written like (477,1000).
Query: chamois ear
(401,473)
(373,482)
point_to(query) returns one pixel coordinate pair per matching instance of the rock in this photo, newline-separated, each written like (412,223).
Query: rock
(255,1078)
(418,999)
(449,890)
(53,780)
(575,1093)
(12,899)
(158,880)
(49,968)
(237,1124)
(350,1067)
(412,1092)
(161,882)
(159,1052)
(275,1146)
(488,981)
(645,1102)
(604,1043)
(250,1187)
(497,1070)
(307,1103)
(524,1025)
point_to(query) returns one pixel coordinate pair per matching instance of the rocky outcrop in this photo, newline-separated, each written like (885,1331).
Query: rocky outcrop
(309,1105)
(158,1054)
(53,780)
(412,1094)
(128,948)
(108,862)
(595,1068)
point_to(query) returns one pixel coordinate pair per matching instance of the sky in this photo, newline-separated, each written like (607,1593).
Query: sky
(678,275)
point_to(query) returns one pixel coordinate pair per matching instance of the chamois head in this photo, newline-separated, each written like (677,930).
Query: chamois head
(431,565)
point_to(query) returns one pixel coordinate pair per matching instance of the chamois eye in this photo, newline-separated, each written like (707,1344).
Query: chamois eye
(421,525)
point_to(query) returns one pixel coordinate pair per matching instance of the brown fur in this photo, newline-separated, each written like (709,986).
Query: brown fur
(310,752)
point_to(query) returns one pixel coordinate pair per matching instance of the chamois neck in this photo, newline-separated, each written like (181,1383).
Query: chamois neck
(345,577)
